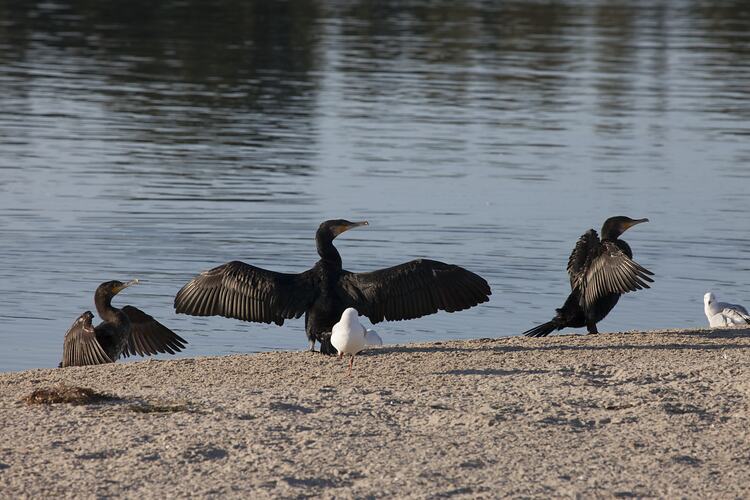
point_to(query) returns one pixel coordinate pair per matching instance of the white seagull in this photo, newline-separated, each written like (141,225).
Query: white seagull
(348,336)
(723,314)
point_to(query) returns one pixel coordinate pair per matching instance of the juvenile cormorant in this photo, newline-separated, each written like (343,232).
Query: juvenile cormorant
(722,313)
(348,336)
(407,291)
(600,271)
(123,332)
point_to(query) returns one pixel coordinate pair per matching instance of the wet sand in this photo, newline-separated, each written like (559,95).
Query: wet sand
(656,414)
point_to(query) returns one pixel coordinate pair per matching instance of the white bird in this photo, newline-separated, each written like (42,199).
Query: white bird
(722,313)
(348,336)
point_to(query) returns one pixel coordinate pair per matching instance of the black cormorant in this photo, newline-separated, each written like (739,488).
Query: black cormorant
(123,332)
(407,291)
(600,271)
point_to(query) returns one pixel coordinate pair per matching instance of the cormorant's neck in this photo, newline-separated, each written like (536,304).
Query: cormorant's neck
(326,250)
(104,307)
(610,235)
(611,231)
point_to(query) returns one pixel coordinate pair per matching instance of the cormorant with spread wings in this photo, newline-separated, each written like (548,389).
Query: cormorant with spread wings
(322,293)
(123,332)
(600,271)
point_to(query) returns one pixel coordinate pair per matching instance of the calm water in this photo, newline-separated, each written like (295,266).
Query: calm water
(157,139)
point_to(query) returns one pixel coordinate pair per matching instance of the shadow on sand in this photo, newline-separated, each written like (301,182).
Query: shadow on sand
(575,342)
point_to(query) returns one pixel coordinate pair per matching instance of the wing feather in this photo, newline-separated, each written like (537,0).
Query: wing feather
(147,336)
(735,314)
(586,246)
(412,289)
(740,309)
(80,346)
(607,270)
(241,291)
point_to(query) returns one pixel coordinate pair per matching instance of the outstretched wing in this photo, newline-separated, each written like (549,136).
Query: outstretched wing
(241,291)
(587,246)
(610,270)
(148,336)
(412,289)
(80,346)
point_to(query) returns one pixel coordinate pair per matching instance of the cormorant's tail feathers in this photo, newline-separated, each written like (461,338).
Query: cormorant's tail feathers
(542,330)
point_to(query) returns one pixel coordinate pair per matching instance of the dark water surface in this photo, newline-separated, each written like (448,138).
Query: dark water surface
(157,139)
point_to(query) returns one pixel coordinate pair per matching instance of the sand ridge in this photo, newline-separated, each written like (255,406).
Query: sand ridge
(655,414)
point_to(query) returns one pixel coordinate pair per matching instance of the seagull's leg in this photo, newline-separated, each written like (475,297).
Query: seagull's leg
(351,363)
(591,327)
(312,345)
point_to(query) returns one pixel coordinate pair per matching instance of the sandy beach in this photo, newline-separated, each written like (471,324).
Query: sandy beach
(656,414)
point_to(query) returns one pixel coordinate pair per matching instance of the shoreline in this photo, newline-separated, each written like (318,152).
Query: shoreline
(636,414)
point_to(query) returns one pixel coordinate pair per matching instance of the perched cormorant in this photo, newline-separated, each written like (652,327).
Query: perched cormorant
(600,271)
(407,291)
(123,332)
(348,336)
(722,313)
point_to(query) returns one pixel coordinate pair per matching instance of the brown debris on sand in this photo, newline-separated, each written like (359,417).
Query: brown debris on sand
(66,394)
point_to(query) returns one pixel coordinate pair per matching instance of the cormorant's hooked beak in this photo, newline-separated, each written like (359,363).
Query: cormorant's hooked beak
(633,222)
(340,229)
(125,285)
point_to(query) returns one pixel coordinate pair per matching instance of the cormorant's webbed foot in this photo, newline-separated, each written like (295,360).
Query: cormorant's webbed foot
(591,327)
